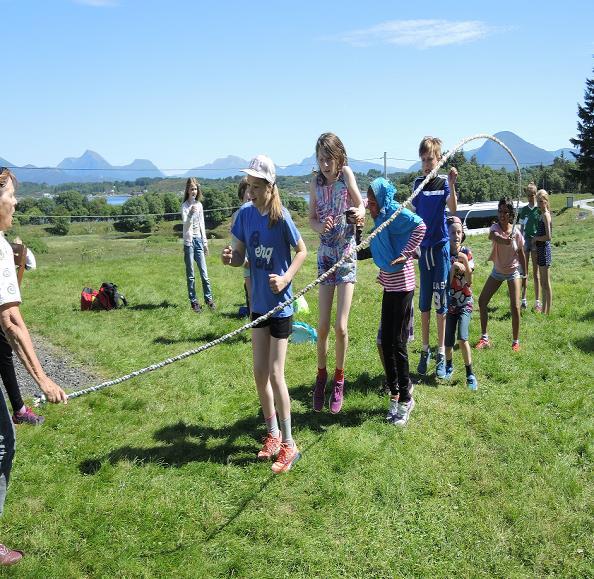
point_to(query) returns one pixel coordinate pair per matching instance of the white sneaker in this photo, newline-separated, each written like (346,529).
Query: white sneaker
(403,412)
(392,410)
(524,304)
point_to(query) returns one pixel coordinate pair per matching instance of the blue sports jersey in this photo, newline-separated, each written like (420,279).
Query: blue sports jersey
(430,205)
(268,251)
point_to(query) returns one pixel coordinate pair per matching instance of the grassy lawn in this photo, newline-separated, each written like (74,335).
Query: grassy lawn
(157,477)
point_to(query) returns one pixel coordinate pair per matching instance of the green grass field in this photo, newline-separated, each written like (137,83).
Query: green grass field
(157,476)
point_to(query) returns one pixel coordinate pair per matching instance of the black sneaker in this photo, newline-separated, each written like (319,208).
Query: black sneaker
(211,304)
(196,307)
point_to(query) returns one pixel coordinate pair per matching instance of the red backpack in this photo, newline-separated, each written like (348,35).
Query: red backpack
(87,297)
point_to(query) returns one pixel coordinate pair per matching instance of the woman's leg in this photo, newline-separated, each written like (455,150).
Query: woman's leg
(489,289)
(8,375)
(326,295)
(190,273)
(515,287)
(388,337)
(261,354)
(7,449)
(547,290)
(200,258)
(402,315)
(535,274)
(277,357)
(343,307)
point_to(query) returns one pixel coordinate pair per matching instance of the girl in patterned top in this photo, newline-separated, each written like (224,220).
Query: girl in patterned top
(335,204)
(543,249)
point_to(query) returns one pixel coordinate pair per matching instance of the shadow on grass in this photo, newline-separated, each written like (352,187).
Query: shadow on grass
(588,316)
(162,305)
(585,344)
(180,443)
(205,338)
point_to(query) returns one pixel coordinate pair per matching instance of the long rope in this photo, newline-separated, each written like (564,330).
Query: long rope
(41,399)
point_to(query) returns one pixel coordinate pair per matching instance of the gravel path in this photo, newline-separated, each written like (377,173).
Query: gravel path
(58,366)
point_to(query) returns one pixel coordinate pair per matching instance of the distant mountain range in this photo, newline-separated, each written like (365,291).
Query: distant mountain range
(92,167)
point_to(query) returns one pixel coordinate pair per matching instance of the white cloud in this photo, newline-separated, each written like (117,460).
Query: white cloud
(419,33)
(98,3)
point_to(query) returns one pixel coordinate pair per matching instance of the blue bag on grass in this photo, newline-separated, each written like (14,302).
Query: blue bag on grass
(303,333)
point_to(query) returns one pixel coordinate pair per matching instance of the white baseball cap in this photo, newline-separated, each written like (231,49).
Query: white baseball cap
(262,167)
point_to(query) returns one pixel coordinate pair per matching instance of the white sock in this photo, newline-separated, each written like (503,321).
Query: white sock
(272,425)
(425,347)
(285,425)
(441,350)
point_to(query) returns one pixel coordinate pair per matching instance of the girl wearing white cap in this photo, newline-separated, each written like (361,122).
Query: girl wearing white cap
(264,233)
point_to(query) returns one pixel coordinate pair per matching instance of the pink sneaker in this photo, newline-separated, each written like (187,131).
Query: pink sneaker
(8,556)
(28,417)
(271,448)
(286,458)
(336,396)
(538,308)
(515,346)
(482,344)
(319,393)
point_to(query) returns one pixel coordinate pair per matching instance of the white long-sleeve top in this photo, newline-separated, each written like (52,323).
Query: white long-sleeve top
(193,222)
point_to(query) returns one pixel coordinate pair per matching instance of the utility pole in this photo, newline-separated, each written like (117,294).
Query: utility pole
(385,166)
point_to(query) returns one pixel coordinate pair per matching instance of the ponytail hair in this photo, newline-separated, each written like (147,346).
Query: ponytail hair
(275,207)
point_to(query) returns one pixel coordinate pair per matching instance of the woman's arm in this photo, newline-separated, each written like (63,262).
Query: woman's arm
(547,234)
(19,339)
(234,254)
(202,227)
(355,194)
(314,221)
(416,236)
(279,282)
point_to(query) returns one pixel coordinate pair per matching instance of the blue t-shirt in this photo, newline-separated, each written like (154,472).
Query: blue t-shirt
(430,206)
(268,251)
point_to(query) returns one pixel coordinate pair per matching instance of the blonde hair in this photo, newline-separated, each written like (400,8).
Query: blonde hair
(331,146)
(430,145)
(192,181)
(542,194)
(6,175)
(531,188)
(274,205)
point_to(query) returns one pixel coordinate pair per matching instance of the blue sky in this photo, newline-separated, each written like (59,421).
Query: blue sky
(182,82)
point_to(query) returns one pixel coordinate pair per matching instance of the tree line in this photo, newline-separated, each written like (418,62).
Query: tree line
(151,199)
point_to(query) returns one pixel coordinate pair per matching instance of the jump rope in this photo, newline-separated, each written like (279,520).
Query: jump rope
(41,398)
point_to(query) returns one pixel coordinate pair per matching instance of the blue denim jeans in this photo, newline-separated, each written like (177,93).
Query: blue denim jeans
(7,448)
(196,250)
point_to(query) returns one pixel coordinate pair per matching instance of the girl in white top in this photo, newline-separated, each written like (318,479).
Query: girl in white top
(195,243)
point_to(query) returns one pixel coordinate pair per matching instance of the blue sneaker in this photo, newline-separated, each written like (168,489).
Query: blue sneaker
(449,371)
(440,369)
(422,367)
(471,382)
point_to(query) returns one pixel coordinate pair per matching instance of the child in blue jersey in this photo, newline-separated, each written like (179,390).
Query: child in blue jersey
(264,233)
(434,262)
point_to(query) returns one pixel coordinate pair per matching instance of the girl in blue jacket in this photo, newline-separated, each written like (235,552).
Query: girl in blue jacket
(392,251)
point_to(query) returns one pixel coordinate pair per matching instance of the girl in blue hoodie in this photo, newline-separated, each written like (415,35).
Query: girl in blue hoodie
(392,251)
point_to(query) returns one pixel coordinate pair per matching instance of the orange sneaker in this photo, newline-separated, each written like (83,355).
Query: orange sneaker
(516,346)
(272,446)
(286,458)
(483,343)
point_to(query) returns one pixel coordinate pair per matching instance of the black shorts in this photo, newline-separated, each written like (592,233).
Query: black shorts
(280,328)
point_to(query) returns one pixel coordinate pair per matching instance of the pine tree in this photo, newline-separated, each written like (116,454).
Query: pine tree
(585,139)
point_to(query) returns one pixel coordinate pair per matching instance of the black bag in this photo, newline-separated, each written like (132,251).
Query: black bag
(109,298)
